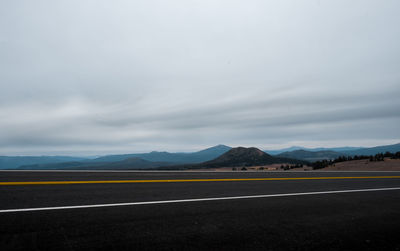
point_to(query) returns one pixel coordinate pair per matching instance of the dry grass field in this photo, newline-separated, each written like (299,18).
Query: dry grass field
(353,165)
(366,165)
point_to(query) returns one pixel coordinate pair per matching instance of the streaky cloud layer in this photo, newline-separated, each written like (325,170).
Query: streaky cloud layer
(111,77)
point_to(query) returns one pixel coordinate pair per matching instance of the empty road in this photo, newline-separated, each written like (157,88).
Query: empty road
(71,210)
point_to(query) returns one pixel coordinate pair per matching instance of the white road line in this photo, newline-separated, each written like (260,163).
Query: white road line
(194,200)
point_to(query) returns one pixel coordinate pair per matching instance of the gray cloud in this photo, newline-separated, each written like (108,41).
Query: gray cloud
(95,77)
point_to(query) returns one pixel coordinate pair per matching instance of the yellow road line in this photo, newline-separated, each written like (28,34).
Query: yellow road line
(21,183)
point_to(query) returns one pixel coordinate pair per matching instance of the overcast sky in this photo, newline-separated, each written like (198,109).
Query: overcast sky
(94,77)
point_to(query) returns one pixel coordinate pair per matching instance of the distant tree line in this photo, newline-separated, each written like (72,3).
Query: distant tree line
(284,167)
(377,157)
(241,169)
(288,167)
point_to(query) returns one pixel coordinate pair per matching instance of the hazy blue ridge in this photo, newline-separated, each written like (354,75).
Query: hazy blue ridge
(318,149)
(195,157)
(309,155)
(312,155)
(12,162)
(374,150)
(159,159)
(150,160)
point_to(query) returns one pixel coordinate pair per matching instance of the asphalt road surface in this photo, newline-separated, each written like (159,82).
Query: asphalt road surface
(199,210)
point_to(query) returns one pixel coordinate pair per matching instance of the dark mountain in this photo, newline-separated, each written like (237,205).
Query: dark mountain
(178,158)
(374,150)
(241,156)
(310,156)
(12,162)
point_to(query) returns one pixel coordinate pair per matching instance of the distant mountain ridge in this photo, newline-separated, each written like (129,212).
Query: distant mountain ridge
(130,163)
(329,154)
(374,150)
(12,162)
(310,156)
(150,160)
(318,149)
(240,157)
(157,159)
(194,157)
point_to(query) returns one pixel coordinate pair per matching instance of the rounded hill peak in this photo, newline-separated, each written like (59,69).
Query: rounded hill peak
(243,151)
